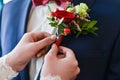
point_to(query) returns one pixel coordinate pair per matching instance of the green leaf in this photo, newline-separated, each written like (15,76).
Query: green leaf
(85,25)
(50,18)
(78,34)
(49,8)
(91,24)
(62,25)
(53,24)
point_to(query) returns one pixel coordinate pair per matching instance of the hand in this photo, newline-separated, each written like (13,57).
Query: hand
(31,44)
(65,65)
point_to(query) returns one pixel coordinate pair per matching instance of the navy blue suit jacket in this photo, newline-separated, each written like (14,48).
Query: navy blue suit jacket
(98,56)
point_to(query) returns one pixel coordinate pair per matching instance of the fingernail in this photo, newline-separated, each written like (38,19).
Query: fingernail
(53,37)
(38,55)
(54,46)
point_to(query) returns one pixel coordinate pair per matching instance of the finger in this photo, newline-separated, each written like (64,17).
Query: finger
(36,36)
(78,71)
(41,52)
(61,56)
(45,42)
(52,52)
(66,51)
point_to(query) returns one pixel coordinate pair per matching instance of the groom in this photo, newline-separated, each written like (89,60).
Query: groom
(98,56)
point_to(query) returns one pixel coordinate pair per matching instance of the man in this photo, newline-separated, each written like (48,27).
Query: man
(98,56)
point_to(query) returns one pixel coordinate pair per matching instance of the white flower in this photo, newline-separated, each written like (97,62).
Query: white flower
(81,9)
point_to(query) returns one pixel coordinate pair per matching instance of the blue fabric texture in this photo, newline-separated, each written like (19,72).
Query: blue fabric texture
(1,4)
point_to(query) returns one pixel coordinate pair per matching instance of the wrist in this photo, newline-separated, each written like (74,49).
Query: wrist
(10,62)
(6,68)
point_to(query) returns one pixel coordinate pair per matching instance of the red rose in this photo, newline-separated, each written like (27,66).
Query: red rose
(68,16)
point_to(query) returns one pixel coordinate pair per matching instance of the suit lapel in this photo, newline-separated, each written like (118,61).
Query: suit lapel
(14,22)
(24,14)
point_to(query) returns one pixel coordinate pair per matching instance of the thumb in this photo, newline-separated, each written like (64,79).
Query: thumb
(52,52)
(67,52)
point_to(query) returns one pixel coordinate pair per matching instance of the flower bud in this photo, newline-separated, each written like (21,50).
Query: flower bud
(70,9)
(67,31)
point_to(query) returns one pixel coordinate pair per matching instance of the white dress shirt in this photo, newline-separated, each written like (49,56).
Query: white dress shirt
(38,22)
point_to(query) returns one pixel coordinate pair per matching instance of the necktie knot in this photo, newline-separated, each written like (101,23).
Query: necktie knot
(61,3)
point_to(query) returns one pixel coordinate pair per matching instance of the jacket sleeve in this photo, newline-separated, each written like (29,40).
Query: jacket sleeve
(113,70)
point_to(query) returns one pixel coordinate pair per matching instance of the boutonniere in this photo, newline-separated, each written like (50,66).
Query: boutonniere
(72,19)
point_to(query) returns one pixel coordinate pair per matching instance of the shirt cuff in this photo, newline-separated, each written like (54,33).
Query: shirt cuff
(50,78)
(6,72)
